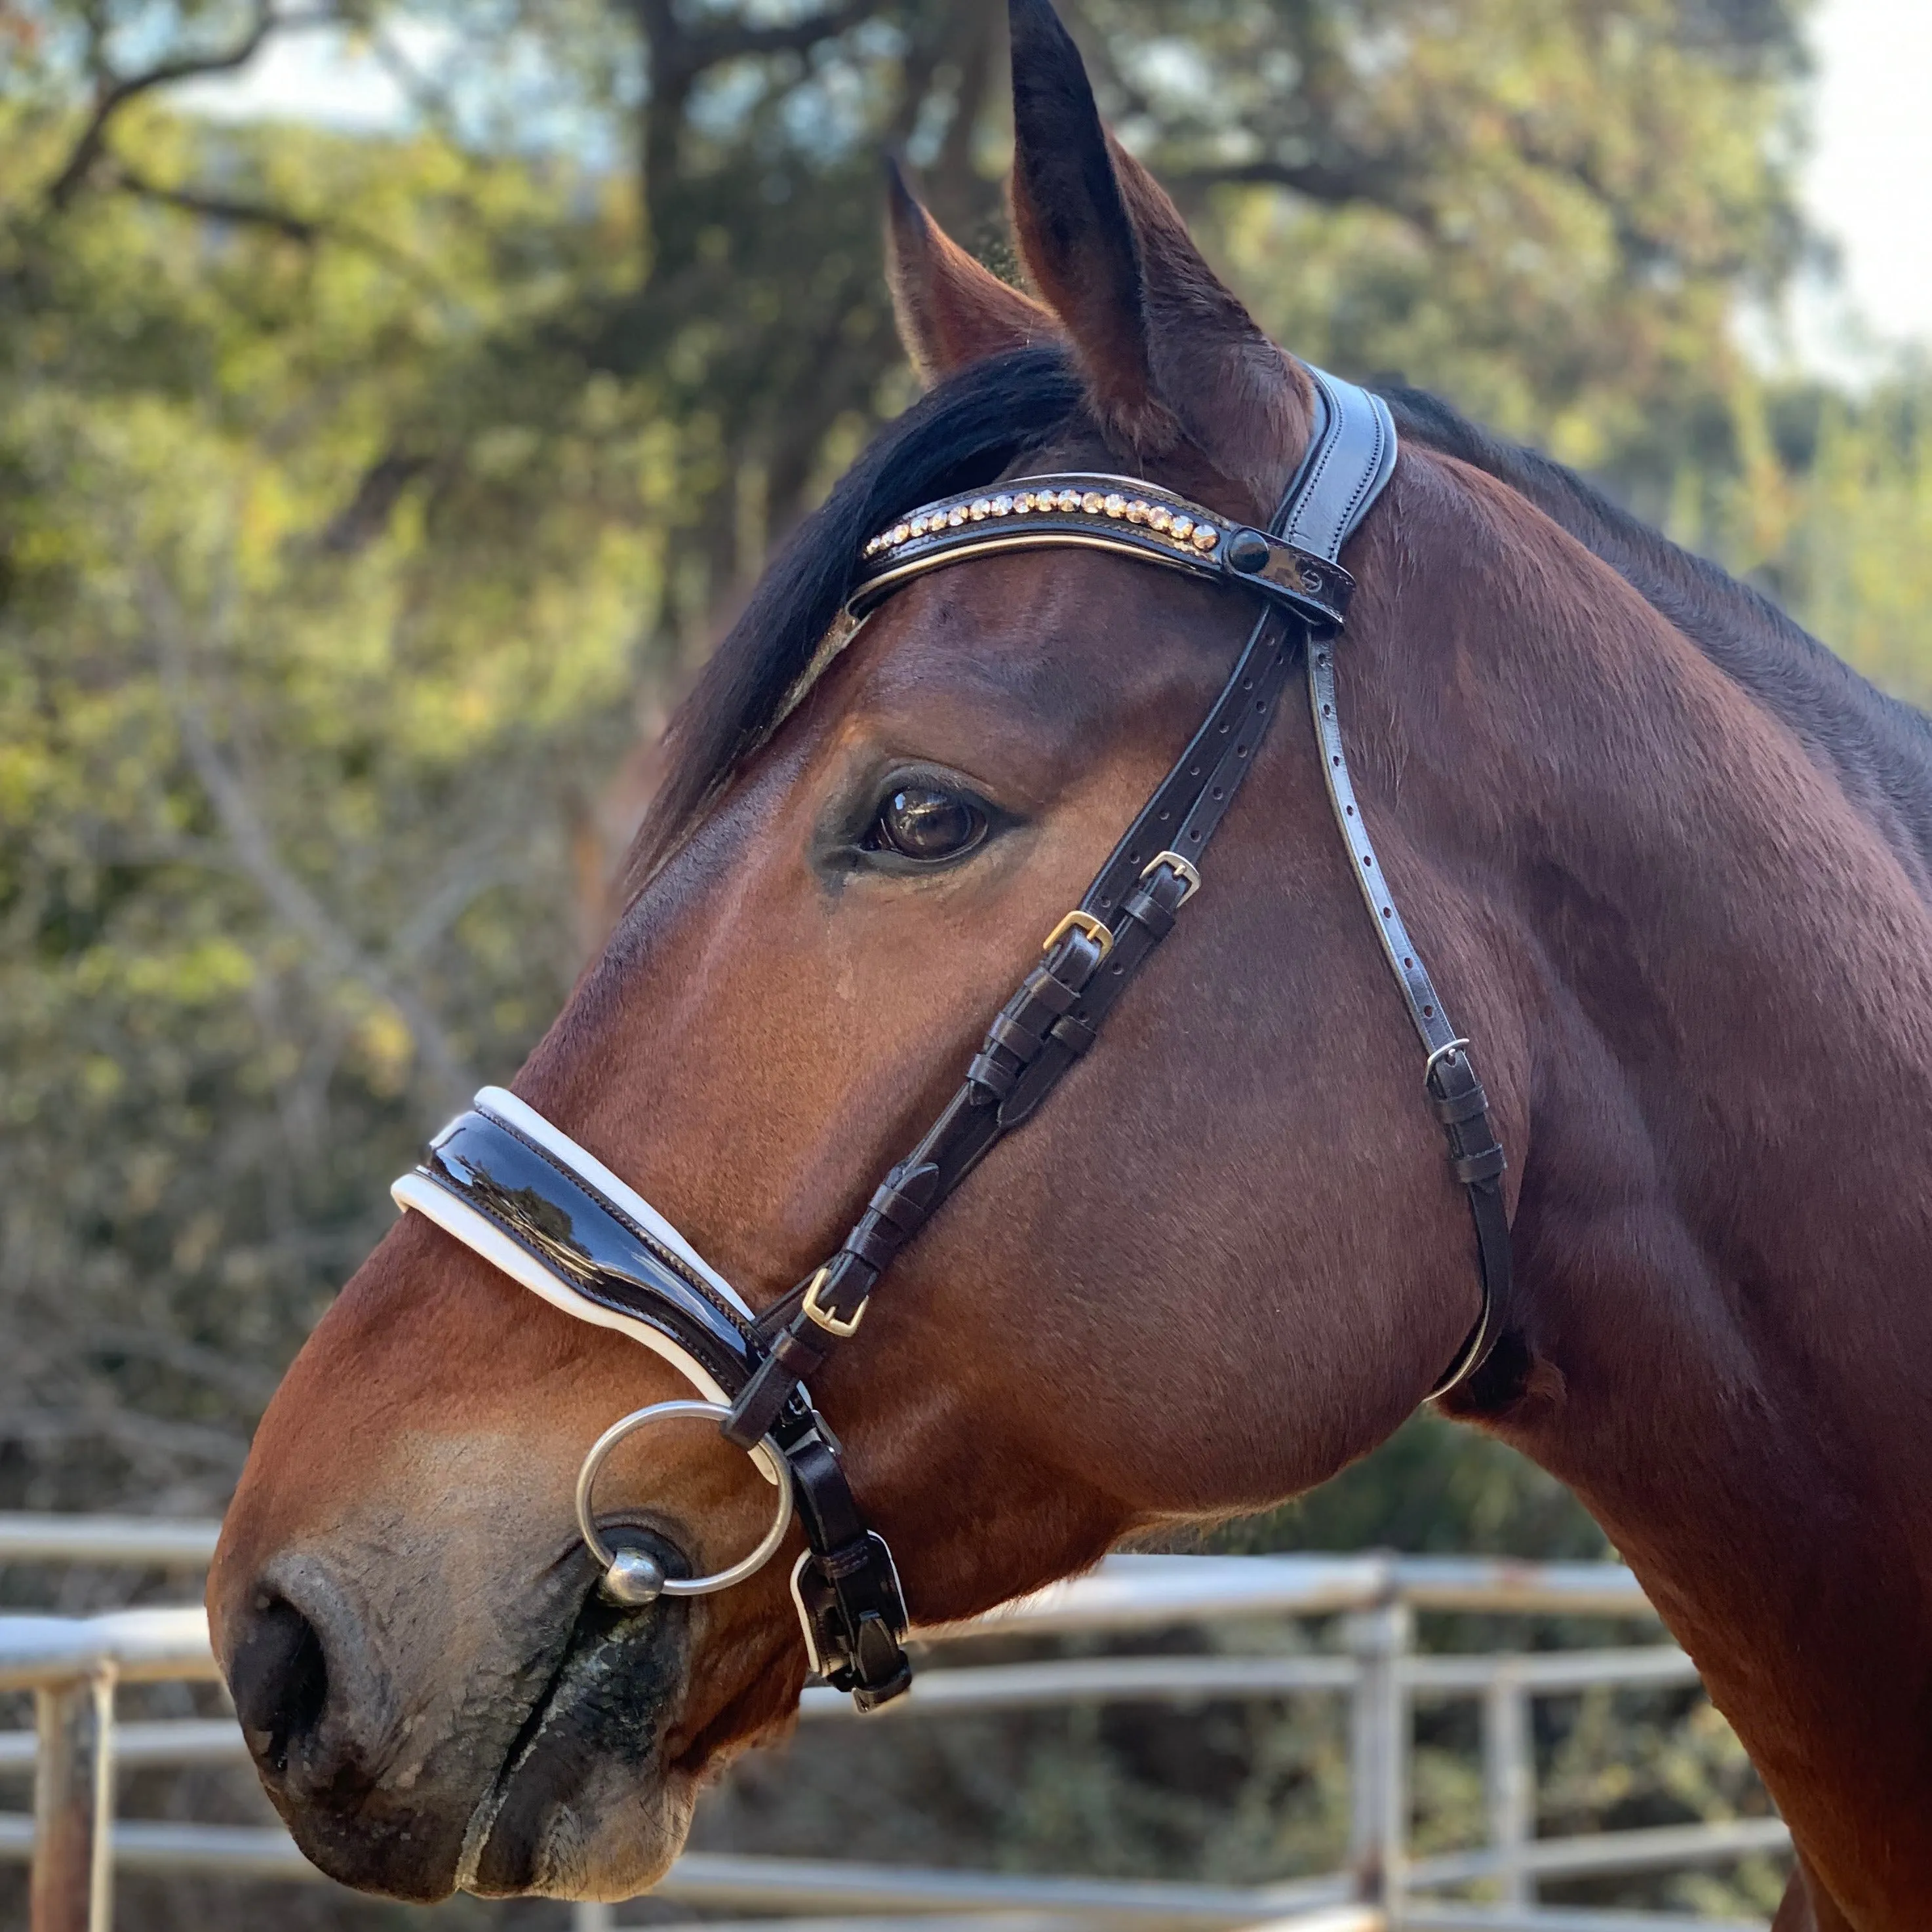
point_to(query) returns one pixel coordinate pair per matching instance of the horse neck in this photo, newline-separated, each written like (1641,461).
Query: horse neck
(1721,974)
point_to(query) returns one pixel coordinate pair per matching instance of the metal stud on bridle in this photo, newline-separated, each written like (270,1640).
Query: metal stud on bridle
(519,1192)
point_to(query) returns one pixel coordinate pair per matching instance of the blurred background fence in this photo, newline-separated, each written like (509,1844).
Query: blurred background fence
(1332,1640)
(371,479)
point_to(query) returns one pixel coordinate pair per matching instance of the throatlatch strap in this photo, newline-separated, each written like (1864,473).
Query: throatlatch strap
(1456,1094)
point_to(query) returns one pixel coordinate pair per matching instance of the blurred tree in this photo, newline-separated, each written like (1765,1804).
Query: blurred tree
(287,808)
(1551,208)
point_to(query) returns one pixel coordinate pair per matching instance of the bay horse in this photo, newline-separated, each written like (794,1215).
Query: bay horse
(1669,860)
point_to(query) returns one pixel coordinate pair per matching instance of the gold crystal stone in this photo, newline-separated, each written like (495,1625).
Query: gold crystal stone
(1182,529)
(1137,512)
(981,509)
(1158,519)
(1206,536)
(1068,500)
(1001,506)
(1093,503)
(1115,506)
(956,515)
(900,532)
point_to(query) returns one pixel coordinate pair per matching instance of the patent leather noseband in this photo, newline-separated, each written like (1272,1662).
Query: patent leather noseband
(515,1189)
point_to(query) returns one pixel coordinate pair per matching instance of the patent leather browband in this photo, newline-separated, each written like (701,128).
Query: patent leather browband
(511,1186)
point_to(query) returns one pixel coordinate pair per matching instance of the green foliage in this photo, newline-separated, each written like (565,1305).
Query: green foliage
(288,788)
(357,495)
(1828,505)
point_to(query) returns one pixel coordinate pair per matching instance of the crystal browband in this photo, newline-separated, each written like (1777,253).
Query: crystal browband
(1114,513)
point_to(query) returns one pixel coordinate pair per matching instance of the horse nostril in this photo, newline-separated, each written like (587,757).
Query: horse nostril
(279,1677)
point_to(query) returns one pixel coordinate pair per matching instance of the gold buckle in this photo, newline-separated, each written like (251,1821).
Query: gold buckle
(1190,878)
(1091,924)
(830,1323)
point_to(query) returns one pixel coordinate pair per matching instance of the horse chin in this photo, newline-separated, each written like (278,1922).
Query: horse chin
(608,1838)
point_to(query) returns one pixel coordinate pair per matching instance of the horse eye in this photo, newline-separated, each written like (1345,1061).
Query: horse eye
(920,821)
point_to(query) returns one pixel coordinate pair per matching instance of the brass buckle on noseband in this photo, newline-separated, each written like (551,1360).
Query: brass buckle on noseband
(632,1577)
(831,1324)
(1095,928)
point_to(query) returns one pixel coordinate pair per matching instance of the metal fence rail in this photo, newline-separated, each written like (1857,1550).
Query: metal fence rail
(73,1665)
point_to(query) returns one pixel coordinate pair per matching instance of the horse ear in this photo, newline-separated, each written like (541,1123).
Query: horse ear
(1167,349)
(950,310)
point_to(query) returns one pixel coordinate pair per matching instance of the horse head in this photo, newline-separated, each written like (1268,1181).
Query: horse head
(1224,1259)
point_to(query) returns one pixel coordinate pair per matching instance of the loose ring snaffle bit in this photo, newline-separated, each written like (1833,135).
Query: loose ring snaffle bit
(633,1577)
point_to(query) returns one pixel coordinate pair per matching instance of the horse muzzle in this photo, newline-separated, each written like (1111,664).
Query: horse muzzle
(538,1764)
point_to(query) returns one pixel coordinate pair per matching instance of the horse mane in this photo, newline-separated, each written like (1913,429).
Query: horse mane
(969,429)
(1879,748)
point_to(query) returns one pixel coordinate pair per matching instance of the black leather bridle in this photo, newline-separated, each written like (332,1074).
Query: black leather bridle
(514,1188)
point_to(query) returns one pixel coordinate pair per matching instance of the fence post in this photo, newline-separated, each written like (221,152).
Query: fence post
(1509,1781)
(73,1886)
(1379,1850)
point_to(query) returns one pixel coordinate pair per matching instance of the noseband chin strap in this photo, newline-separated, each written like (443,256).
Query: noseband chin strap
(509,1185)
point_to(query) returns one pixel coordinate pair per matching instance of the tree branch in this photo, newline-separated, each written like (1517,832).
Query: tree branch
(738,41)
(220,208)
(690,51)
(307,231)
(115,92)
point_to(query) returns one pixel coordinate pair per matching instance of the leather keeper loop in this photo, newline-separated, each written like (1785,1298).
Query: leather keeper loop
(1073,962)
(797,1355)
(987,1072)
(905,1211)
(1452,1109)
(849,1558)
(1074,1033)
(1145,910)
(1021,1042)
(875,1246)
(1054,994)
(1472,1168)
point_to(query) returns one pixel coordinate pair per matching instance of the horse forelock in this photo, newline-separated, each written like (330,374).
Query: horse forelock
(963,432)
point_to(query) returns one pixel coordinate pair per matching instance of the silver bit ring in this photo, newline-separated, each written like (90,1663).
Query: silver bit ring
(633,1577)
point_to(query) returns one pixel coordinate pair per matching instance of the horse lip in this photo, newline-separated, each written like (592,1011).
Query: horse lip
(482,1820)
(625,1642)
